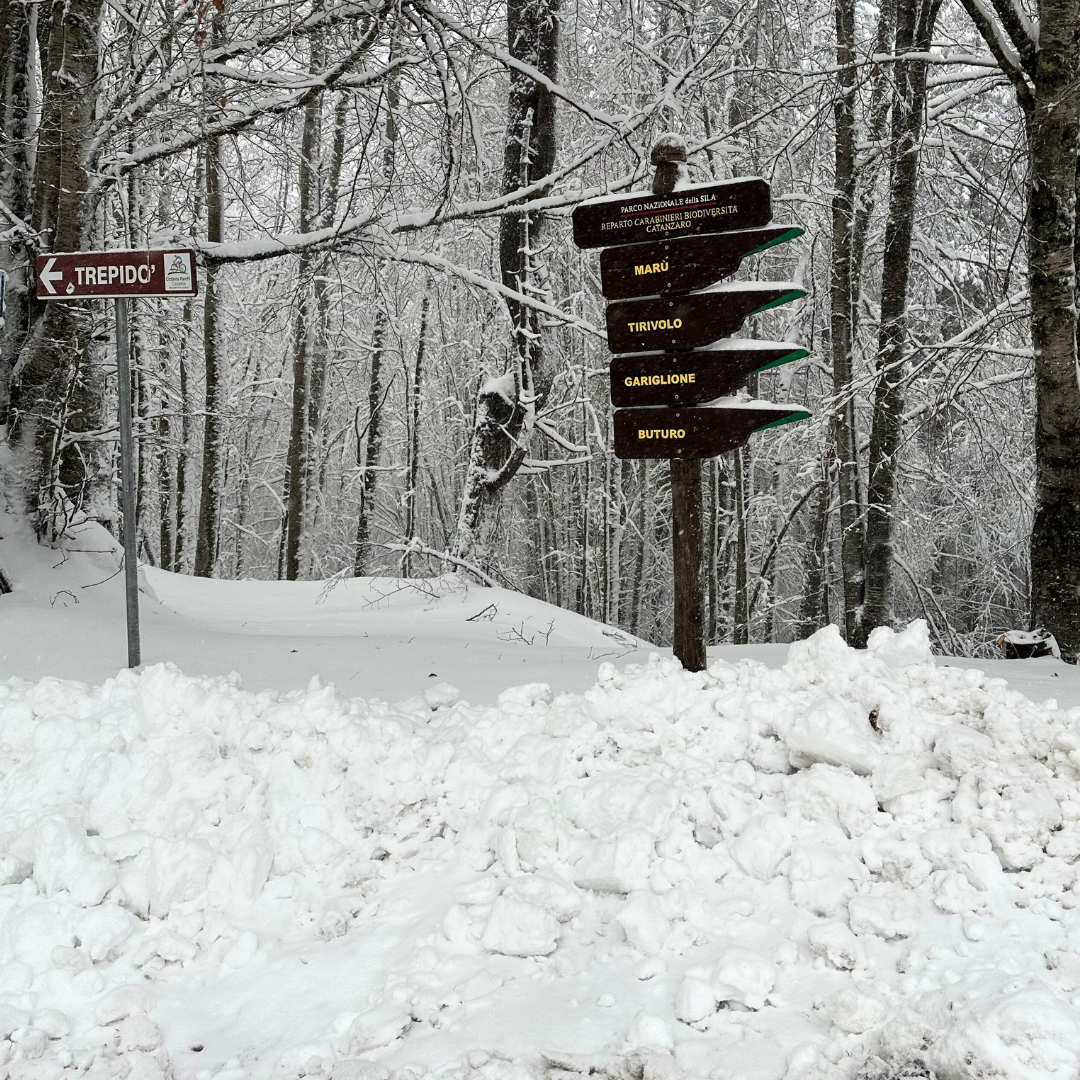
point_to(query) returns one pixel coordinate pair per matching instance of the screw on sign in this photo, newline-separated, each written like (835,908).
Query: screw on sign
(121,276)
(671,319)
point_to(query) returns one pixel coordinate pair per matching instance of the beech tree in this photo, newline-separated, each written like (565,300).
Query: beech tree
(506,406)
(1041,59)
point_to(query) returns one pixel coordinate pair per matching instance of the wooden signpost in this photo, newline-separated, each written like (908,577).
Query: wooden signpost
(670,321)
(120,275)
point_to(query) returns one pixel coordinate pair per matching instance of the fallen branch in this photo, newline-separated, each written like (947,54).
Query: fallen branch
(414,547)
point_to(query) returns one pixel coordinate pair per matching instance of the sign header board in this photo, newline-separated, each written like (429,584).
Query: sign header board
(91,275)
(703,208)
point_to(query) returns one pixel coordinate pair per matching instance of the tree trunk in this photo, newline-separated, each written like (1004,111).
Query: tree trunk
(1052,245)
(413,465)
(56,395)
(367,452)
(813,606)
(914,29)
(17,34)
(866,178)
(369,476)
(180,545)
(506,406)
(842,301)
(209,493)
(742,592)
(297,459)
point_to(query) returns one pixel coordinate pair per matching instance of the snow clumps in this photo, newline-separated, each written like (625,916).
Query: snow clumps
(857,864)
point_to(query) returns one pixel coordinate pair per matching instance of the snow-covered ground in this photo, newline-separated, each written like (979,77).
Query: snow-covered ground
(794,869)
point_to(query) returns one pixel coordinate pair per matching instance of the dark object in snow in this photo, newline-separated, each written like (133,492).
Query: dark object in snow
(913,1068)
(1025,644)
(873,721)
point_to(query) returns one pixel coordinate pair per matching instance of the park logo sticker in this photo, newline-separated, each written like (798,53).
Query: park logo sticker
(178,271)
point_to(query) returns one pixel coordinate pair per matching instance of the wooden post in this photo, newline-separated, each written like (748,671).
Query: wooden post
(687,548)
(668,155)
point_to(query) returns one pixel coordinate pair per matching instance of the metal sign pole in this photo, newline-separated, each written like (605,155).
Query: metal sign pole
(127,474)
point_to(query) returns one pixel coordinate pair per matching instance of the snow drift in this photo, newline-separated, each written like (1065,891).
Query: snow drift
(856,864)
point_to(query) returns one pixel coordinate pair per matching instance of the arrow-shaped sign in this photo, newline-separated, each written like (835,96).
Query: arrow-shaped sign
(703,432)
(683,264)
(49,275)
(669,324)
(687,378)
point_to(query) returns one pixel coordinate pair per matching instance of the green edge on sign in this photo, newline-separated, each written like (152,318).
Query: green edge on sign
(787,358)
(799,414)
(791,294)
(790,234)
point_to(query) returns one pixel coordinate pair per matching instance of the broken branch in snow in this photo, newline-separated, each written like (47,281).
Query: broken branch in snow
(414,547)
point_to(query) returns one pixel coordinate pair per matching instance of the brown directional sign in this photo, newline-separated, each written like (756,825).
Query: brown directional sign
(693,262)
(84,275)
(696,433)
(703,208)
(672,323)
(688,378)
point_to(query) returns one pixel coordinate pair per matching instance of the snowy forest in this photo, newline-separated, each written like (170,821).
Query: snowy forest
(396,364)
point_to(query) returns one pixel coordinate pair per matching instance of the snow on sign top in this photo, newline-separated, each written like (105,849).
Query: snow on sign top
(743,203)
(83,275)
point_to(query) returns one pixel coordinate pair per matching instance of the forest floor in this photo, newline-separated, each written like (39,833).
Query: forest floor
(508,842)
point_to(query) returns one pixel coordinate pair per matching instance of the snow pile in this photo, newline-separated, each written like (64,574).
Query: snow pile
(856,865)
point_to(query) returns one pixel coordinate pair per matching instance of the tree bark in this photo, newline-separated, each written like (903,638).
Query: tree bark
(742,593)
(368,451)
(180,531)
(1052,247)
(413,467)
(297,459)
(57,397)
(866,177)
(914,29)
(813,605)
(17,26)
(209,489)
(369,477)
(842,302)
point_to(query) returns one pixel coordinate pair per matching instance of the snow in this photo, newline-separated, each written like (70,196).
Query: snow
(732,344)
(658,874)
(375,637)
